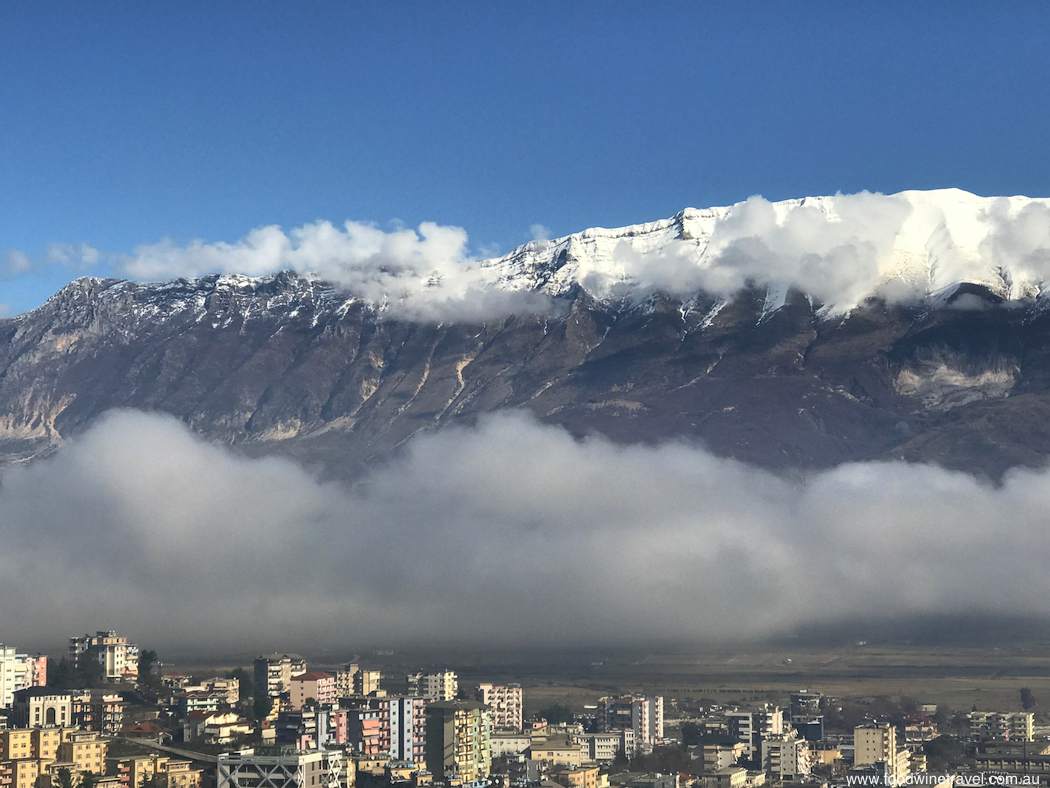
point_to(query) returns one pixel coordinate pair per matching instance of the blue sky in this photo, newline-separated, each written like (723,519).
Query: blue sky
(123,123)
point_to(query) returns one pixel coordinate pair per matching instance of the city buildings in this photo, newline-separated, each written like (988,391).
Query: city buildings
(752,726)
(443,685)
(118,658)
(1016,726)
(272,675)
(874,744)
(644,716)
(458,740)
(504,702)
(316,686)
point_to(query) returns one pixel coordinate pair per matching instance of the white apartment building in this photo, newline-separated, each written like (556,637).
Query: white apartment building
(280,767)
(504,702)
(786,755)
(752,726)
(604,747)
(7,675)
(878,744)
(443,685)
(1017,726)
(643,716)
(118,658)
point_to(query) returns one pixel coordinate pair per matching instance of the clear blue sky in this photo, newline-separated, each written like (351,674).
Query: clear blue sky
(124,123)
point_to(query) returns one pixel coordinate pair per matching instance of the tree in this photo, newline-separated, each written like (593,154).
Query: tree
(88,780)
(1027,699)
(148,680)
(245,682)
(555,714)
(261,706)
(690,734)
(63,779)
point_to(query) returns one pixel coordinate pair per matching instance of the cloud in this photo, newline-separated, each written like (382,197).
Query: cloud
(540,233)
(5,310)
(1019,241)
(425,275)
(510,532)
(14,263)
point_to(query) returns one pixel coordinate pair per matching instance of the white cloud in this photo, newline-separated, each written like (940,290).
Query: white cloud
(5,310)
(512,532)
(540,233)
(15,263)
(426,274)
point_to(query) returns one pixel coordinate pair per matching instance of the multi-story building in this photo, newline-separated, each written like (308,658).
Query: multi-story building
(786,755)
(85,749)
(7,675)
(316,685)
(874,744)
(280,767)
(395,726)
(273,674)
(162,770)
(1017,726)
(118,658)
(458,740)
(644,716)
(604,747)
(561,751)
(752,726)
(98,710)
(39,707)
(721,756)
(504,702)
(443,685)
(585,776)
(30,671)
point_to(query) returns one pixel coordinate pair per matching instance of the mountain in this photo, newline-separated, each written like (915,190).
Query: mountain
(790,335)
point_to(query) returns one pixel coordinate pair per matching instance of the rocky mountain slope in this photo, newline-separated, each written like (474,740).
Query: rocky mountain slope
(767,374)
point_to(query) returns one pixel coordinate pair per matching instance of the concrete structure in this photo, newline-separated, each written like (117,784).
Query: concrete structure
(604,747)
(134,771)
(39,707)
(1018,726)
(395,726)
(751,726)
(443,685)
(576,777)
(280,767)
(557,752)
(458,740)
(509,743)
(504,701)
(644,716)
(7,675)
(273,674)
(118,658)
(786,756)
(722,756)
(30,671)
(315,685)
(875,744)
(98,710)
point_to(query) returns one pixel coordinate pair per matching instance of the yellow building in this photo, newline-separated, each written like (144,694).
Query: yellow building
(560,752)
(585,776)
(458,740)
(86,750)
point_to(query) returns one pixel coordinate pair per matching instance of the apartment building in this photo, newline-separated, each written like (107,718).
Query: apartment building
(874,744)
(7,675)
(1017,726)
(168,773)
(786,756)
(272,675)
(118,658)
(316,685)
(644,716)
(752,726)
(393,726)
(504,702)
(280,767)
(98,710)
(458,740)
(443,685)
(604,747)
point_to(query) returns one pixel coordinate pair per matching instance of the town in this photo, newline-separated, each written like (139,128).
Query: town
(106,715)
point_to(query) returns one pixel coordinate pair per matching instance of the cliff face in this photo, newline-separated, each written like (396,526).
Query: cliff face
(288,364)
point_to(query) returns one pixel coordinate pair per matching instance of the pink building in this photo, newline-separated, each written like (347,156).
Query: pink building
(317,685)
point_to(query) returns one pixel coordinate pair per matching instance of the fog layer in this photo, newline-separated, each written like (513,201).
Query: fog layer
(508,533)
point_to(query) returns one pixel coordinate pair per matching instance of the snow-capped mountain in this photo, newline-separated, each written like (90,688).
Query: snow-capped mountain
(796,334)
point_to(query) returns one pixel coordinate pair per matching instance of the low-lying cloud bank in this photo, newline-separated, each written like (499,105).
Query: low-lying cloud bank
(509,533)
